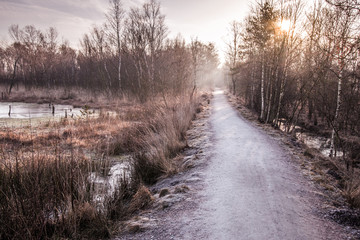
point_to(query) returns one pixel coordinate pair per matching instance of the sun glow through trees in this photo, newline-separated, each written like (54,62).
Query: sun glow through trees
(285,25)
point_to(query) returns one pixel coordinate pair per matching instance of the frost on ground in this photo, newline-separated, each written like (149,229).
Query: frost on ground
(240,183)
(174,196)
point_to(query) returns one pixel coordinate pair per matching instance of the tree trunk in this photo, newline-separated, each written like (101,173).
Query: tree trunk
(108,75)
(152,77)
(233,82)
(282,89)
(270,93)
(335,122)
(262,89)
(119,58)
(119,71)
(252,88)
(13,77)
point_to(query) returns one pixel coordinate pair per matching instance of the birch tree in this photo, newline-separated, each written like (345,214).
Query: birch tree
(343,46)
(260,27)
(289,45)
(145,34)
(195,46)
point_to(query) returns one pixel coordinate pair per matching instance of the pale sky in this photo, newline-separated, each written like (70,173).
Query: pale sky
(206,19)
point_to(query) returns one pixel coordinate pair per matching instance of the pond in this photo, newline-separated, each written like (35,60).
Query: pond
(34,110)
(21,114)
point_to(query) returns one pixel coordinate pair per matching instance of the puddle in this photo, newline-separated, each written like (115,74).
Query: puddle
(320,143)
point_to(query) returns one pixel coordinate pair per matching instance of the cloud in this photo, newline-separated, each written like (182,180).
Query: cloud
(71,18)
(81,8)
(206,19)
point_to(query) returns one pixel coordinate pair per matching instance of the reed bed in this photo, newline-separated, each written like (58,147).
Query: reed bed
(45,191)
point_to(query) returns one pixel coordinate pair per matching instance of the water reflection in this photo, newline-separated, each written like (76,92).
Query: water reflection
(19,110)
(320,143)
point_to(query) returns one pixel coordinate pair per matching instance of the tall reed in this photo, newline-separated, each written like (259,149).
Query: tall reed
(45,173)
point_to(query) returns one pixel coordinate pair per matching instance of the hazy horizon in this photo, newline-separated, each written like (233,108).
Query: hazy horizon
(207,20)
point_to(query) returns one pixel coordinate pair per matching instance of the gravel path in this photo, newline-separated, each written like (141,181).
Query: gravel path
(248,189)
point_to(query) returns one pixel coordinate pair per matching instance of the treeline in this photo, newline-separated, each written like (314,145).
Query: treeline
(299,64)
(128,54)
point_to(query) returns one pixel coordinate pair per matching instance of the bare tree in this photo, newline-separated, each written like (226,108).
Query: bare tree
(346,5)
(136,48)
(115,17)
(155,30)
(145,34)
(195,46)
(342,46)
(128,54)
(233,51)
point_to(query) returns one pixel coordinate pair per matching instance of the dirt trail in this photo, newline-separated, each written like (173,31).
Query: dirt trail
(248,189)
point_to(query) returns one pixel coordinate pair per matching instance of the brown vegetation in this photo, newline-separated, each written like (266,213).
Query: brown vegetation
(340,186)
(46,172)
(45,189)
(304,73)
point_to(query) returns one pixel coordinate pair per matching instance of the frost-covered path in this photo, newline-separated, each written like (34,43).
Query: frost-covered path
(249,188)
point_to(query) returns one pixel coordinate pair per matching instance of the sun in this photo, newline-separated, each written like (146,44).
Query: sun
(285,25)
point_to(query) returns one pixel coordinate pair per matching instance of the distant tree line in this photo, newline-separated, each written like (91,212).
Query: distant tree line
(299,65)
(128,54)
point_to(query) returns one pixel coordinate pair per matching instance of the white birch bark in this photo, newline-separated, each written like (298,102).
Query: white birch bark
(338,104)
(262,88)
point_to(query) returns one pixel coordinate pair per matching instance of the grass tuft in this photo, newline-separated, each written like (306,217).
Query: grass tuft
(45,191)
(141,199)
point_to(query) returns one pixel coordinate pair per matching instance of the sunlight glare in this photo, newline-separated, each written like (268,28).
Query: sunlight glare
(285,25)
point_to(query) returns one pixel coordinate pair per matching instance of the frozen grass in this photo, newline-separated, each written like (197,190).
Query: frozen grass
(45,190)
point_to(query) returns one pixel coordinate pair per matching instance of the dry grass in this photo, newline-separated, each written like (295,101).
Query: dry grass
(78,97)
(161,139)
(141,199)
(333,175)
(45,190)
(39,192)
(44,181)
(352,191)
(337,175)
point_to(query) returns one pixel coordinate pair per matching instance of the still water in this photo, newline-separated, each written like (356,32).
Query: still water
(33,114)
(21,110)
(310,140)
